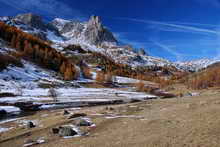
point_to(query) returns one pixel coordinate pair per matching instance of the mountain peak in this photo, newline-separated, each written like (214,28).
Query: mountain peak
(96,33)
(59,23)
(95,20)
(31,19)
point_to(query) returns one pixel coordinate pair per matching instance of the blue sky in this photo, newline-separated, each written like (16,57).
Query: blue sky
(177,30)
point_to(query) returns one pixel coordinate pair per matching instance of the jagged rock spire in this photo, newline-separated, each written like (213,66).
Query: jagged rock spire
(96,33)
(95,21)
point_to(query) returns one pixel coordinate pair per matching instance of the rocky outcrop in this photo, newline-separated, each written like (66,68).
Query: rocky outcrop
(30,125)
(142,52)
(74,28)
(31,20)
(32,24)
(92,32)
(95,32)
(91,36)
(67,131)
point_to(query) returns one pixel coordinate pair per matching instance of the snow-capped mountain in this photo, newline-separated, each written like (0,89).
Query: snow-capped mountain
(33,24)
(195,65)
(92,32)
(94,36)
(91,35)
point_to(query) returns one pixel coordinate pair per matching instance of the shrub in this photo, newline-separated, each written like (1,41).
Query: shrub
(205,79)
(142,87)
(37,50)
(9,60)
(100,77)
(71,73)
(109,78)
(149,73)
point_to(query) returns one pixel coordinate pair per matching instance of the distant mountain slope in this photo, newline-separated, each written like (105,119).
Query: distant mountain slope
(28,47)
(196,65)
(24,74)
(91,36)
(94,36)
(34,25)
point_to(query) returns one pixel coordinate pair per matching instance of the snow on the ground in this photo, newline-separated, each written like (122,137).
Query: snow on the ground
(36,94)
(10,109)
(99,94)
(23,99)
(28,77)
(24,122)
(196,65)
(119,79)
(54,38)
(4,129)
(48,106)
(10,120)
(122,80)
(77,94)
(25,81)
(125,80)
(29,72)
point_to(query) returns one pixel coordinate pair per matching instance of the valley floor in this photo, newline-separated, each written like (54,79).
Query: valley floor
(178,122)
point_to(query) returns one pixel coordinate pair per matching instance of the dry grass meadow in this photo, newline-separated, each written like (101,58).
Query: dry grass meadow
(178,122)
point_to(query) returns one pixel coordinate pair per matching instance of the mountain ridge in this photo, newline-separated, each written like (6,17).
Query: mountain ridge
(92,36)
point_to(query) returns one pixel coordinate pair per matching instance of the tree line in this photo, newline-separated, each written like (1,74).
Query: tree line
(38,51)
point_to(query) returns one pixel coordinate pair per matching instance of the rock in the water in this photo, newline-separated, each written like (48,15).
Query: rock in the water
(77,115)
(67,131)
(65,112)
(30,125)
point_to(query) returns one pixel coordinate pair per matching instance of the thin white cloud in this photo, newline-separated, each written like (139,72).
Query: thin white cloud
(194,24)
(50,8)
(172,50)
(169,50)
(122,36)
(184,27)
(173,27)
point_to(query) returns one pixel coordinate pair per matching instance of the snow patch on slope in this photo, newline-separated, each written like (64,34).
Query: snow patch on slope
(10,109)
(195,65)
(54,38)
(60,23)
